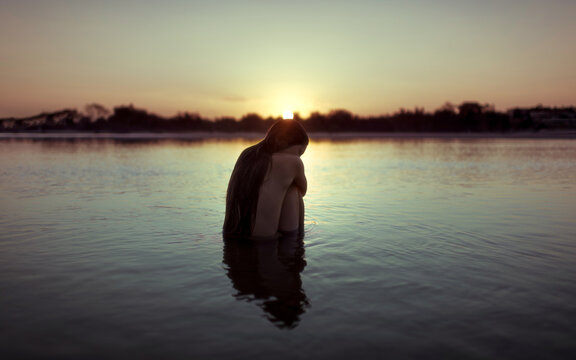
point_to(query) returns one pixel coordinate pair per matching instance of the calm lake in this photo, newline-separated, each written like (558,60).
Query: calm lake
(414,248)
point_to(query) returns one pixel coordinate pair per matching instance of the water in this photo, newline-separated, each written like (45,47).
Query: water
(414,248)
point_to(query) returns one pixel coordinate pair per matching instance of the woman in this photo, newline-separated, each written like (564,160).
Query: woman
(265,191)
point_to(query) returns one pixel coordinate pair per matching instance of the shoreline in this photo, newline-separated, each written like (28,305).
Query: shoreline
(563,134)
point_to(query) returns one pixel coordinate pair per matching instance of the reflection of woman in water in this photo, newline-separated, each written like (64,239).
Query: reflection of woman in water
(266,187)
(268,272)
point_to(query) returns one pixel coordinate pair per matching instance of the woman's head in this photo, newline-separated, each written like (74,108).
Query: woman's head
(283,134)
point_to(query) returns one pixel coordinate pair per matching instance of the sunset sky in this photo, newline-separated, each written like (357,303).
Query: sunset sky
(228,58)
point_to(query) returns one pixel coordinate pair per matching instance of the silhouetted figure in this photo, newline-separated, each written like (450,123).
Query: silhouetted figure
(264,197)
(268,272)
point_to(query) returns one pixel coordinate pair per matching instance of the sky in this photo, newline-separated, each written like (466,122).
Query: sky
(230,58)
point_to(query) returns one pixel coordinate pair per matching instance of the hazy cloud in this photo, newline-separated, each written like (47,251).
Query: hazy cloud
(235,98)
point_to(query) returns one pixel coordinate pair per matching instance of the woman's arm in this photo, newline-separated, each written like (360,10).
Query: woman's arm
(301,220)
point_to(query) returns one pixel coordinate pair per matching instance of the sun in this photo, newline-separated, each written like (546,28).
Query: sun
(288,115)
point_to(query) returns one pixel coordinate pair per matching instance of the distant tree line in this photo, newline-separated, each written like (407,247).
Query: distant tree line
(466,117)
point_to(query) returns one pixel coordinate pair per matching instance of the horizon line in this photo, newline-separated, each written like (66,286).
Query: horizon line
(420,109)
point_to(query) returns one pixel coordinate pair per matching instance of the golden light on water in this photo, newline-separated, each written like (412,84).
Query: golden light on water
(288,115)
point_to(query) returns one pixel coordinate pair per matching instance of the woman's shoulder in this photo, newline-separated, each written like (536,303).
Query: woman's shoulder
(286,158)
(288,162)
(284,154)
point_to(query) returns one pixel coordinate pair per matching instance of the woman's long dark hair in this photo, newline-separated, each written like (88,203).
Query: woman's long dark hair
(249,173)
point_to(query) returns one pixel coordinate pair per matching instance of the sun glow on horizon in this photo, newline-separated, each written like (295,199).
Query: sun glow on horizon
(287,115)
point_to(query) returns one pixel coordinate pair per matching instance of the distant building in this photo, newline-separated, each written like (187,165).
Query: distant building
(543,117)
(46,121)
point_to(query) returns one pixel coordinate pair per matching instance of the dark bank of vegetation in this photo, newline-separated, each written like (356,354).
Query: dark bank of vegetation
(467,117)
